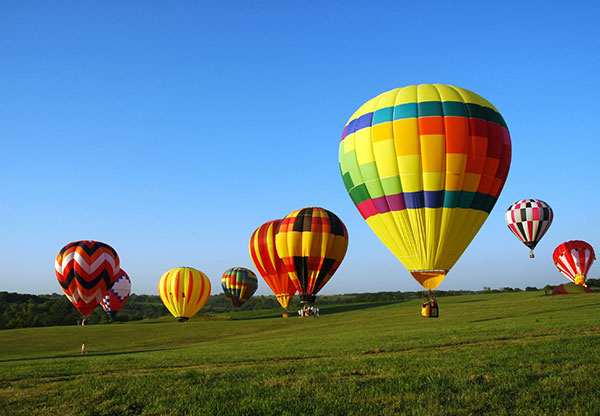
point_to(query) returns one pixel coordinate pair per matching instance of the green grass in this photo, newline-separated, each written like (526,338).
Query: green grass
(505,353)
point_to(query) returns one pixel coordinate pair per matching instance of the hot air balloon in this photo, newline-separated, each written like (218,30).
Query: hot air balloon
(269,265)
(117,295)
(86,270)
(574,259)
(239,284)
(529,219)
(312,243)
(424,165)
(184,291)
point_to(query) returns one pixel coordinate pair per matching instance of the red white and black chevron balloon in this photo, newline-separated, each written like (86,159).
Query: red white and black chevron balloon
(117,295)
(86,271)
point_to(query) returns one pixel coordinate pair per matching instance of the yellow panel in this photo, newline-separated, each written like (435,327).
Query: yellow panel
(433,219)
(455,167)
(410,173)
(364,146)
(386,158)
(433,152)
(387,99)
(406,133)
(433,181)
(410,164)
(471,97)
(382,131)
(348,143)
(406,95)
(427,92)
(447,93)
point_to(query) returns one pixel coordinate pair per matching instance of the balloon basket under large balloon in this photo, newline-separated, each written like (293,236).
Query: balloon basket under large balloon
(182,319)
(285,315)
(531,255)
(429,306)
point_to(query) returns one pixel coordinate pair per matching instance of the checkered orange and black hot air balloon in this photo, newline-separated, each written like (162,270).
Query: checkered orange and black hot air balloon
(269,264)
(86,271)
(312,243)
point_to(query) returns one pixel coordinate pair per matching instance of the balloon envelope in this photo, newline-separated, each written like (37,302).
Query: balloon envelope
(312,243)
(424,165)
(86,270)
(574,259)
(529,219)
(117,295)
(268,263)
(239,284)
(184,291)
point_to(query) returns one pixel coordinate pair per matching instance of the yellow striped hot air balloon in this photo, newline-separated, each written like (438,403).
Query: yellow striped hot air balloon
(184,291)
(425,165)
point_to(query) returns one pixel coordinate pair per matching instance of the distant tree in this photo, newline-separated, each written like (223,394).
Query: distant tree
(531,289)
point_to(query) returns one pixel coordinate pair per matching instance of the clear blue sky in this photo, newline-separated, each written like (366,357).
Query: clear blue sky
(171,130)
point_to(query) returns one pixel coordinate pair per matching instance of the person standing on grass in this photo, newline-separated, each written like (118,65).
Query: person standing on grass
(83,350)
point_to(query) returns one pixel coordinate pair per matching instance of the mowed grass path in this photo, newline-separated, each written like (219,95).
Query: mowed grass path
(505,353)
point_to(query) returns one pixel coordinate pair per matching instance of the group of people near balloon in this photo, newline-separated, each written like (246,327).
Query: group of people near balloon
(424,165)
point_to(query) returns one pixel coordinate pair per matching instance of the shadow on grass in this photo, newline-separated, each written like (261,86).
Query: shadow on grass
(91,354)
(534,313)
(325,310)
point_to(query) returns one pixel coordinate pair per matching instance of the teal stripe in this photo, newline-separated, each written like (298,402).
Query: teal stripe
(451,199)
(454,109)
(383,115)
(431,109)
(408,110)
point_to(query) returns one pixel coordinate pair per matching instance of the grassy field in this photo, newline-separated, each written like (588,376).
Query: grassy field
(505,353)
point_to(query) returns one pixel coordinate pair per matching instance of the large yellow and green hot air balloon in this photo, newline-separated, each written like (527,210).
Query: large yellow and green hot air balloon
(424,165)
(184,291)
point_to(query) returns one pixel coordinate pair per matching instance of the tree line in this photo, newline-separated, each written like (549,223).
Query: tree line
(24,311)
